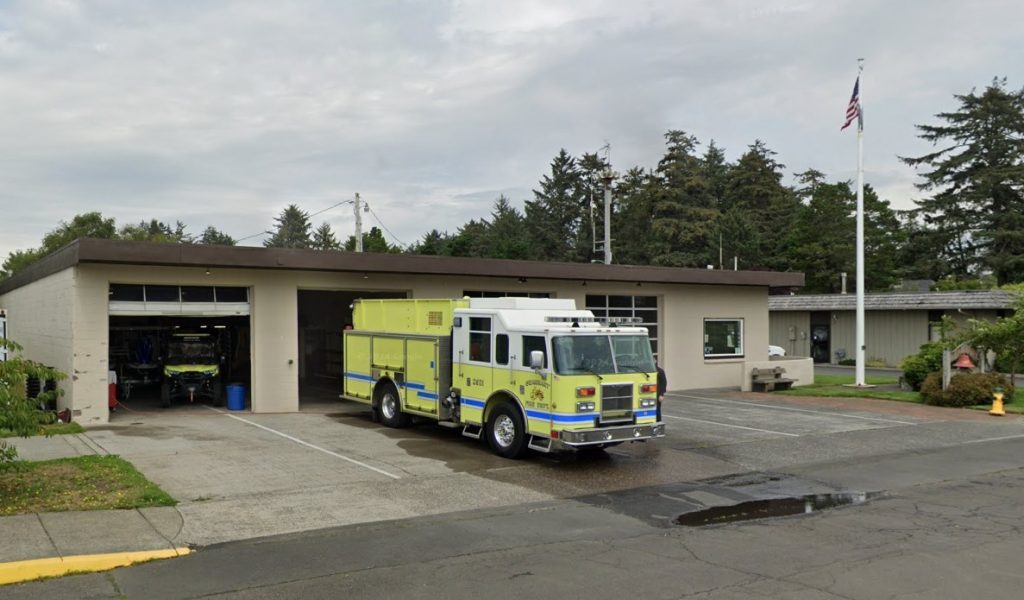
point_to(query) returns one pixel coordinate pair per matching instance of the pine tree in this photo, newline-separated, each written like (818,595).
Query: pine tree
(635,196)
(373,241)
(214,237)
(821,241)
(323,238)
(755,187)
(293,229)
(977,180)
(684,224)
(434,243)
(554,215)
(505,235)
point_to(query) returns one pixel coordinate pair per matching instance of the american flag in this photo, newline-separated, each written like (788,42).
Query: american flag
(853,108)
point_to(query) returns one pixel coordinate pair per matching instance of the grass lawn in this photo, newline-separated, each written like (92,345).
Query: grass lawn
(81,483)
(834,386)
(52,429)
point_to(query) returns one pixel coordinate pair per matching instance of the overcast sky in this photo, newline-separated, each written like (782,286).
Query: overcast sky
(222,113)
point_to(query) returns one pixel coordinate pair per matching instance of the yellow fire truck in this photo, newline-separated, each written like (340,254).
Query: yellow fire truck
(525,373)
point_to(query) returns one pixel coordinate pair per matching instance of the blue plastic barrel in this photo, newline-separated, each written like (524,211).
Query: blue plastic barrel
(236,396)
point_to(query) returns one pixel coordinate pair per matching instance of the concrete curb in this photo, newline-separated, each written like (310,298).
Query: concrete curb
(27,570)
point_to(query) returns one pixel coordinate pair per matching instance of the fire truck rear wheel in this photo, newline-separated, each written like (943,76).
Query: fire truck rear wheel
(506,432)
(389,407)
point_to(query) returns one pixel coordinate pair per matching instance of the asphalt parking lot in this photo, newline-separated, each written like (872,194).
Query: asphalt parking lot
(240,475)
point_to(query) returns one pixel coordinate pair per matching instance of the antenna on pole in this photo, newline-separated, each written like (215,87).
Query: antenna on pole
(608,176)
(359,223)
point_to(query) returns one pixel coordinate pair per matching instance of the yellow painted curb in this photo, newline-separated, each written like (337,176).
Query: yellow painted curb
(27,570)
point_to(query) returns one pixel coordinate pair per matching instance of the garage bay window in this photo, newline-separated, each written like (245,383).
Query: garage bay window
(723,338)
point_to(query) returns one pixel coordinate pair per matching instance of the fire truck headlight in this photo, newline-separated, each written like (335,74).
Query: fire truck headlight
(647,402)
(585,406)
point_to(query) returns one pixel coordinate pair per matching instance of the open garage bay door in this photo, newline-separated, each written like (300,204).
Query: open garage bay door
(152,326)
(323,315)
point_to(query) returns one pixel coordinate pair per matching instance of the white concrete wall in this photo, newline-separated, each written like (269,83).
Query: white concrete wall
(684,312)
(40,318)
(799,369)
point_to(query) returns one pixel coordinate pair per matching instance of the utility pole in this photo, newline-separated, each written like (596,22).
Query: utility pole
(608,216)
(359,223)
(608,176)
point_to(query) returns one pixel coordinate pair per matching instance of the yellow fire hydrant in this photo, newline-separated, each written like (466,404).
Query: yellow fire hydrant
(997,403)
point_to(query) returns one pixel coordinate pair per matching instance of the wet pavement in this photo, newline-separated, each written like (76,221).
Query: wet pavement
(240,475)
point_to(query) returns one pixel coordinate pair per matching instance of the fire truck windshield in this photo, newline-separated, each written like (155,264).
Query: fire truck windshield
(602,354)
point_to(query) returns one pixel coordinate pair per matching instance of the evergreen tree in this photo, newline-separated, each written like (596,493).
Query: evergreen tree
(739,240)
(506,234)
(715,169)
(323,238)
(821,242)
(434,243)
(635,196)
(214,237)
(470,240)
(155,231)
(592,177)
(684,223)
(293,229)
(554,216)
(373,241)
(755,187)
(977,180)
(883,240)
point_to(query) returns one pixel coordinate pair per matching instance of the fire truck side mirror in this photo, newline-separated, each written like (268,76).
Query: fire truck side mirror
(537,360)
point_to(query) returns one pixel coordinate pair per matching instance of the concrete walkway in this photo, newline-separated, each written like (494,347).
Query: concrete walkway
(49,544)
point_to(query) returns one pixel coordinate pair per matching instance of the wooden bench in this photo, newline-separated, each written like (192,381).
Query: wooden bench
(769,380)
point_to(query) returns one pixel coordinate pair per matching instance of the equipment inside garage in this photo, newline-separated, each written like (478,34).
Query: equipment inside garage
(322,317)
(193,332)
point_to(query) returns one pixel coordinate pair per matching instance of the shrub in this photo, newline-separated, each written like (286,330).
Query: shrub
(917,366)
(18,413)
(875,362)
(931,389)
(965,389)
(848,362)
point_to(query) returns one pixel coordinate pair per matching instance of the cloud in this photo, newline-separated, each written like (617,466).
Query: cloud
(224,113)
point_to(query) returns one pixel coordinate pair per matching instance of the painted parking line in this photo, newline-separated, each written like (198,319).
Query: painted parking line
(664,414)
(790,408)
(995,439)
(305,443)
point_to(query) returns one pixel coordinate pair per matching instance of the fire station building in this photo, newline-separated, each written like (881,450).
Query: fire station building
(100,310)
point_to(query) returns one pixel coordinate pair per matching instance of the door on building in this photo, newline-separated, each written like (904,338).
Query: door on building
(821,334)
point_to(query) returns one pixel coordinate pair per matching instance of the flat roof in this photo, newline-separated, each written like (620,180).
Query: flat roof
(977,300)
(96,251)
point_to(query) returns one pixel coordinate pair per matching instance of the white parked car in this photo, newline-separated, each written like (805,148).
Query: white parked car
(776,351)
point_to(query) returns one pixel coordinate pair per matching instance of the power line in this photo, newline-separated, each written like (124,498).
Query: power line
(385,227)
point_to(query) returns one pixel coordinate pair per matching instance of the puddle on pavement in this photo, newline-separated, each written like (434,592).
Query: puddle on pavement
(774,507)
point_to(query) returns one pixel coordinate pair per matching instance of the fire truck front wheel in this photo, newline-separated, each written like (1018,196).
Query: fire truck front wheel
(506,432)
(389,408)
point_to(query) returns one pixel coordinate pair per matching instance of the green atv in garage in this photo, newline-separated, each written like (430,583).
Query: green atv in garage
(192,369)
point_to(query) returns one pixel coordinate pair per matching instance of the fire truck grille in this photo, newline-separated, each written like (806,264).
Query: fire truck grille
(617,401)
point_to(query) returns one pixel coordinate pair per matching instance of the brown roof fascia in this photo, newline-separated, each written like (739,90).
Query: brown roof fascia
(244,257)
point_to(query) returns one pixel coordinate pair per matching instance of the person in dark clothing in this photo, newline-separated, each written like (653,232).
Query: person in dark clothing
(662,388)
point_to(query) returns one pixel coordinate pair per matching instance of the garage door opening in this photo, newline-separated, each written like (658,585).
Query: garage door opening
(177,345)
(147,354)
(322,317)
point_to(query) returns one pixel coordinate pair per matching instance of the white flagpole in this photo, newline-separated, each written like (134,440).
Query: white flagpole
(860,381)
